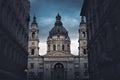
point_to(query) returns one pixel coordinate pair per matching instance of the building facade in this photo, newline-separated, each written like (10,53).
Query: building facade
(103,29)
(83,50)
(58,63)
(14,20)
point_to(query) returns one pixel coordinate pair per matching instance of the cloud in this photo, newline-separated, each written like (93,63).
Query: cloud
(64,3)
(45,25)
(72,25)
(33,1)
(74,47)
(50,7)
(43,48)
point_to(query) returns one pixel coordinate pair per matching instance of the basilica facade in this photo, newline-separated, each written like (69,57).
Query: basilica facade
(58,63)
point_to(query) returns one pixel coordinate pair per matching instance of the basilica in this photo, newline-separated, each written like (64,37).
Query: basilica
(58,63)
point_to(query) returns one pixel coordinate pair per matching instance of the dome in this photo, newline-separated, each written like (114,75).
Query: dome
(58,29)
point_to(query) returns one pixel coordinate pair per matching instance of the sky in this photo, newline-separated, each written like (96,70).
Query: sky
(46,11)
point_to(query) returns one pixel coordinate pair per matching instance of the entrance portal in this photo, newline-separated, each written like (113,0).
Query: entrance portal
(58,73)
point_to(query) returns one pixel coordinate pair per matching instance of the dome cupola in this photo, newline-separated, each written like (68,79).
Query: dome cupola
(58,29)
(58,39)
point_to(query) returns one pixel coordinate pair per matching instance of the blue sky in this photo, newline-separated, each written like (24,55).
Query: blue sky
(46,11)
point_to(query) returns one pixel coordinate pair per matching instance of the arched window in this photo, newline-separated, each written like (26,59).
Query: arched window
(48,47)
(63,47)
(58,66)
(58,47)
(83,34)
(33,35)
(68,46)
(85,51)
(54,47)
(32,52)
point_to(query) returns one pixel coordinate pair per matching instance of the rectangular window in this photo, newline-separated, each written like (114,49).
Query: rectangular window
(40,65)
(40,75)
(86,72)
(85,65)
(31,75)
(31,65)
(76,75)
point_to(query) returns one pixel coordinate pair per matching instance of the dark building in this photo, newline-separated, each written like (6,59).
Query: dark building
(14,24)
(103,30)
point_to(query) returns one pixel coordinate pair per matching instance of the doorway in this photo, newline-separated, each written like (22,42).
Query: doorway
(58,72)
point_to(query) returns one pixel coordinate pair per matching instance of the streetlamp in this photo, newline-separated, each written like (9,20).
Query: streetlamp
(26,70)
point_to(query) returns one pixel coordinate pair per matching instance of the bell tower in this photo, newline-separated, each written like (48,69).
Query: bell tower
(33,39)
(82,38)
(83,50)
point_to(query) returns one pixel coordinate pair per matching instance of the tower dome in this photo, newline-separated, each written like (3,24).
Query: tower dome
(58,29)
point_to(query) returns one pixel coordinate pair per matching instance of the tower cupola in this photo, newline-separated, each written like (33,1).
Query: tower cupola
(34,23)
(82,20)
